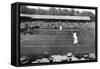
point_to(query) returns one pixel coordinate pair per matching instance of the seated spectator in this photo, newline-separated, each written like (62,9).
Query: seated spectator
(79,56)
(86,56)
(64,58)
(73,58)
(37,61)
(44,60)
(69,55)
(56,58)
(91,56)
(24,59)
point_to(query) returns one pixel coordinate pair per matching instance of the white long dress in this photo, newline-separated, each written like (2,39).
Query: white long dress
(75,38)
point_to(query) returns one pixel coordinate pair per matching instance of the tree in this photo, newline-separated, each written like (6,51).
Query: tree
(72,12)
(78,13)
(88,13)
(40,11)
(65,12)
(25,10)
(53,11)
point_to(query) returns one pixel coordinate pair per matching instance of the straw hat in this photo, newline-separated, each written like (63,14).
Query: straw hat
(24,59)
(69,54)
(85,55)
(82,59)
(91,55)
(44,60)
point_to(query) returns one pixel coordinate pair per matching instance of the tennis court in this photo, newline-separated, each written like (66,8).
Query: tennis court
(57,42)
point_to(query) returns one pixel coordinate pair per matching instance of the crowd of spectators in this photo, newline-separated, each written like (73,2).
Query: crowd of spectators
(29,26)
(58,58)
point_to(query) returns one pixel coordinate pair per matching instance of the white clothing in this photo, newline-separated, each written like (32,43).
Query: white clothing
(44,60)
(73,58)
(60,28)
(75,38)
(56,58)
(82,59)
(65,57)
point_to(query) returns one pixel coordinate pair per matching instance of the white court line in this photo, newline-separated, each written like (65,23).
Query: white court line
(60,30)
(55,46)
(55,35)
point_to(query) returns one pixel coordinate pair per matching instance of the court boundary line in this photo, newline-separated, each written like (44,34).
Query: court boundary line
(57,46)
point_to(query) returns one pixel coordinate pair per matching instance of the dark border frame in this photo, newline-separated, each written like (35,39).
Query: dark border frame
(15,34)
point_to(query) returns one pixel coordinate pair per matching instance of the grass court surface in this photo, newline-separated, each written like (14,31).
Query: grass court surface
(57,42)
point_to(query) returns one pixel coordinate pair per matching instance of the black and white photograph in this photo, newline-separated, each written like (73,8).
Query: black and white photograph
(52,34)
